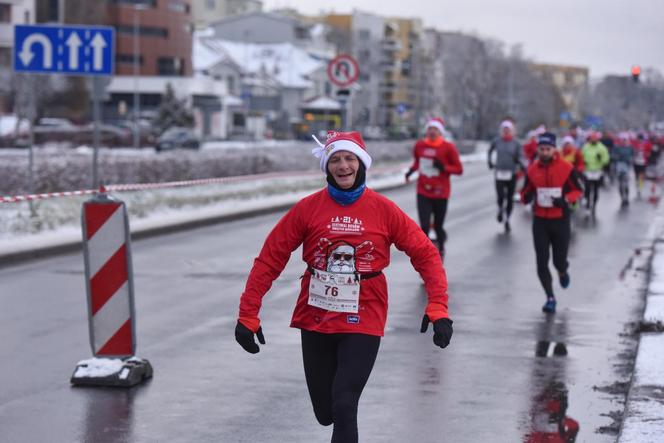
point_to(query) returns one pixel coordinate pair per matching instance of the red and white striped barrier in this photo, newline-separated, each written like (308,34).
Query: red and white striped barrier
(109,278)
(110,289)
(175,184)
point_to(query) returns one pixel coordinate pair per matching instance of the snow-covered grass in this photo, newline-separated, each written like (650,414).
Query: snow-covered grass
(57,221)
(57,168)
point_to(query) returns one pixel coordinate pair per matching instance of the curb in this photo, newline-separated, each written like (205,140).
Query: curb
(644,408)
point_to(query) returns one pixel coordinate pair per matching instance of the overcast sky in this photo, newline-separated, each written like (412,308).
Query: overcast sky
(608,36)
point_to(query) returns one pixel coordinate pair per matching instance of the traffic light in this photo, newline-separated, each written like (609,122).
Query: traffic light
(636,72)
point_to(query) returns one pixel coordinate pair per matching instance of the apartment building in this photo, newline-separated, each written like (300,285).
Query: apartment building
(569,80)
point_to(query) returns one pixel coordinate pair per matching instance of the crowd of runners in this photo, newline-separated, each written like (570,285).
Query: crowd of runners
(346,231)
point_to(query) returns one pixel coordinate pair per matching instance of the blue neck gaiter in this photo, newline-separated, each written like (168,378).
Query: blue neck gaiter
(346,197)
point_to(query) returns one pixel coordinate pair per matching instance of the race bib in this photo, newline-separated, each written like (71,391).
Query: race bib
(334,291)
(640,159)
(504,175)
(545,196)
(427,168)
(593,175)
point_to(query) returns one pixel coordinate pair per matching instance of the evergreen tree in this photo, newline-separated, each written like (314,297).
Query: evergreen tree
(172,112)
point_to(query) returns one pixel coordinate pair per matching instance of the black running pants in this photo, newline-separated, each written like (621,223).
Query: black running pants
(438,207)
(337,366)
(550,234)
(505,192)
(592,193)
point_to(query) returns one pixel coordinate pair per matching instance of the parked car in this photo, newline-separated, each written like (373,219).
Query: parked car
(55,130)
(176,138)
(13,133)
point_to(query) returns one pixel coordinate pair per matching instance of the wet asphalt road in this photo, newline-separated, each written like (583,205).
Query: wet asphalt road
(484,387)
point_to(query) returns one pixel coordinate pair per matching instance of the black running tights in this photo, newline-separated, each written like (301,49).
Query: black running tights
(438,207)
(551,234)
(505,193)
(337,366)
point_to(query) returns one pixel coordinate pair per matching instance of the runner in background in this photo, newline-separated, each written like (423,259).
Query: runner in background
(642,150)
(436,160)
(595,157)
(507,153)
(552,185)
(607,140)
(572,154)
(623,158)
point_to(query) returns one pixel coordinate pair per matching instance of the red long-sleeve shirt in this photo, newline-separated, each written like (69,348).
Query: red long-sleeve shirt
(354,237)
(556,174)
(434,183)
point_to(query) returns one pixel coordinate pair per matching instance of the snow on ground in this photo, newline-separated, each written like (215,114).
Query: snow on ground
(58,221)
(644,420)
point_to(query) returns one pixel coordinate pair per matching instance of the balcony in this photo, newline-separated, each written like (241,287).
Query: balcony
(390,44)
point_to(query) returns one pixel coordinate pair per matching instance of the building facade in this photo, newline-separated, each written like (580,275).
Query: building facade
(161,31)
(570,81)
(207,12)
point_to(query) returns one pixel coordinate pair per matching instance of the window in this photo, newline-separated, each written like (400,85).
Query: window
(5,13)
(127,59)
(178,7)
(169,66)
(149,3)
(5,56)
(144,31)
(231,84)
(211,4)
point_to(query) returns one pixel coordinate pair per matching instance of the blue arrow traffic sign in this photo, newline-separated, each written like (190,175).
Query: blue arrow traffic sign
(75,50)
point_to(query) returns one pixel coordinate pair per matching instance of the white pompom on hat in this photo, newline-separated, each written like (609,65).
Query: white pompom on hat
(341,141)
(437,123)
(568,139)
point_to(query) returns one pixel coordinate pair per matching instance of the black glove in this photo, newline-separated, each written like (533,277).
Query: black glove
(438,164)
(442,330)
(245,337)
(528,197)
(599,156)
(409,173)
(559,202)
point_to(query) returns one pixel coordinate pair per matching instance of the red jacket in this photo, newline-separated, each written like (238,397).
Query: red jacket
(573,156)
(541,177)
(642,149)
(360,234)
(432,182)
(530,150)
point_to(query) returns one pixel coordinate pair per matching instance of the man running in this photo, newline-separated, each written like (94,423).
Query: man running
(435,159)
(552,185)
(595,157)
(641,154)
(624,158)
(508,160)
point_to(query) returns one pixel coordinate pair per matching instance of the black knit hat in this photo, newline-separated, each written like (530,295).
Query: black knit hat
(546,138)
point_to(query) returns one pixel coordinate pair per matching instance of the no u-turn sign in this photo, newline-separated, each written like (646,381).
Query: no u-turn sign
(343,70)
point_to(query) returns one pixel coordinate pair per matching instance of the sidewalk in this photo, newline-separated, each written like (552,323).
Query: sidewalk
(644,412)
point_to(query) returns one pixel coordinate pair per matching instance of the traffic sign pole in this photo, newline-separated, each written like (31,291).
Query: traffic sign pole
(96,115)
(343,71)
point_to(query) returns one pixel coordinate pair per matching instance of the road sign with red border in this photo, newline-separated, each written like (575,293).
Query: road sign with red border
(343,70)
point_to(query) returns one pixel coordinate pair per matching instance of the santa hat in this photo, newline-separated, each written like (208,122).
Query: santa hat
(507,124)
(568,139)
(437,123)
(341,141)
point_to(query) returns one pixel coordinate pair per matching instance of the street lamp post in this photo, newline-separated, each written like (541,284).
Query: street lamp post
(137,104)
